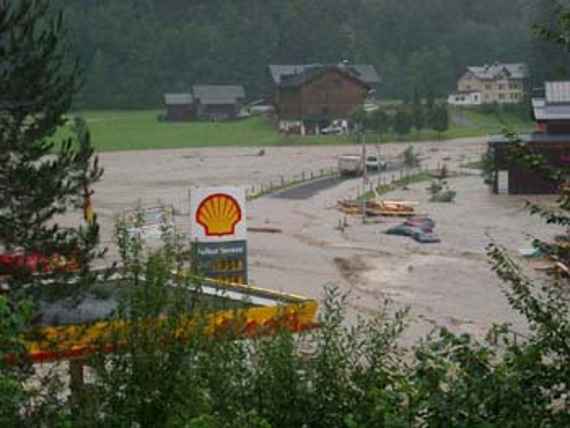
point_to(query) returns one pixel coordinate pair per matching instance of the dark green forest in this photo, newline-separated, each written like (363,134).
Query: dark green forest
(135,50)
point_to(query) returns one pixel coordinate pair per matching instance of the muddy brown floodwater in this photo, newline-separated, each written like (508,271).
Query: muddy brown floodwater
(448,284)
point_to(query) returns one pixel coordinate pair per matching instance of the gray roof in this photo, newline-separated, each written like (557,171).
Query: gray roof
(364,72)
(494,71)
(555,105)
(543,111)
(178,99)
(218,94)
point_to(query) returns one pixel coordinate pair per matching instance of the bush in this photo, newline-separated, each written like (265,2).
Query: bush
(402,123)
(410,158)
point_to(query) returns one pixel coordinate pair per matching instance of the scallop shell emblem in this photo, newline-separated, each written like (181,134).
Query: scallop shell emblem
(219,214)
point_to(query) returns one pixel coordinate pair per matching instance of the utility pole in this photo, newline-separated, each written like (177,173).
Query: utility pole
(362,136)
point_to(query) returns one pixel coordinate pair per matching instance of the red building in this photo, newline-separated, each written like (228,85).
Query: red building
(551,141)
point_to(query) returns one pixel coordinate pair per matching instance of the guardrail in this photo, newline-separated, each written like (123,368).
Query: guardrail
(282,183)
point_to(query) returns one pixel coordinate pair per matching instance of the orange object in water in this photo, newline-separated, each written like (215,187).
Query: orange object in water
(88,212)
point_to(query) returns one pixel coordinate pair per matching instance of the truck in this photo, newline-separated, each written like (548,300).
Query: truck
(350,165)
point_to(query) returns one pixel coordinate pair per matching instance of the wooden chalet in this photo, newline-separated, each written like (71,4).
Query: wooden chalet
(218,102)
(551,140)
(179,107)
(308,97)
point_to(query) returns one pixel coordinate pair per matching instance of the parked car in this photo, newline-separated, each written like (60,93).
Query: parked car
(336,127)
(332,130)
(376,163)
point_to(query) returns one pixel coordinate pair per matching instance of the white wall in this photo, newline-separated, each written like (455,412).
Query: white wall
(471,99)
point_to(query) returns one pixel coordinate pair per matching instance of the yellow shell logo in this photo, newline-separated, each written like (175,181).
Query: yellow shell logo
(219,214)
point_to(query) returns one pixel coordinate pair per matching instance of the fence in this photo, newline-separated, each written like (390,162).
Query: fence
(283,182)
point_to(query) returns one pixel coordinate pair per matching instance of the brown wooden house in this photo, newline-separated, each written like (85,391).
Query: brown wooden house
(218,102)
(551,141)
(179,107)
(309,97)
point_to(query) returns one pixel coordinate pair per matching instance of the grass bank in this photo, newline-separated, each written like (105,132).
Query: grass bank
(140,130)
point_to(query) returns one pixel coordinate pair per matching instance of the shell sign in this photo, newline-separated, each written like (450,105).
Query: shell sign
(217,214)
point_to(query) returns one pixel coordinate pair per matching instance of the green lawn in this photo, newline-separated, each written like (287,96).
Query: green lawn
(140,130)
(466,123)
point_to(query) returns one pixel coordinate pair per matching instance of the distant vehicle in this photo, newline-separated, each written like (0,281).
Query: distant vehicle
(376,163)
(350,165)
(332,130)
(337,127)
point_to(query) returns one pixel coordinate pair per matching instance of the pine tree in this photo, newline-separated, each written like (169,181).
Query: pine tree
(418,111)
(440,119)
(402,123)
(41,176)
(380,122)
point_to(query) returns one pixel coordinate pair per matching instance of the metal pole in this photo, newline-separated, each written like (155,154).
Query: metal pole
(364,174)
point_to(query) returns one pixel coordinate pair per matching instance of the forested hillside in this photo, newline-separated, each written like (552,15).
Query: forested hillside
(134,50)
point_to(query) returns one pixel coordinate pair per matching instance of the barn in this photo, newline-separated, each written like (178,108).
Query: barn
(218,102)
(179,107)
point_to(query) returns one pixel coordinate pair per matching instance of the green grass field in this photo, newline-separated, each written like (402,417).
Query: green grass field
(140,130)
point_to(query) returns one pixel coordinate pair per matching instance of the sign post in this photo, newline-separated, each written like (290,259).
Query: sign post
(218,232)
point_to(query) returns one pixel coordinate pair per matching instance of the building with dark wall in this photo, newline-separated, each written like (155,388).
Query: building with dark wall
(311,96)
(551,141)
(218,102)
(179,107)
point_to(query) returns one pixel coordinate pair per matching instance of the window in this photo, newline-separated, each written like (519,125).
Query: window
(501,86)
(488,86)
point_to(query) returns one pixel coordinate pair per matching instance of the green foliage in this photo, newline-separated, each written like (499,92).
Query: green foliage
(418,114)
(380,121)
(12,322)
(156,380)
(439,189)
(487,165)
(402,123)
(410,157)
(220,42)
(38,182)
(439,120)
(360,119)
(34,187)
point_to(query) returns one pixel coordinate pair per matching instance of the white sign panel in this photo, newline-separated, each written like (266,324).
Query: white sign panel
(217,214)
(503,182)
